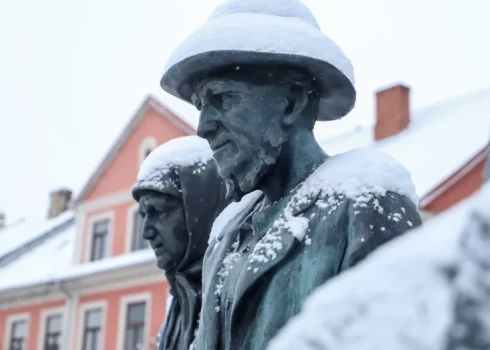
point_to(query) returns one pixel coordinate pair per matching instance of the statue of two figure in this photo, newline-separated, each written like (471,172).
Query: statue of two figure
(261,73)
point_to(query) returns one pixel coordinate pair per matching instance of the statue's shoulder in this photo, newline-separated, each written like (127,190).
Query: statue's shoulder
(359,176)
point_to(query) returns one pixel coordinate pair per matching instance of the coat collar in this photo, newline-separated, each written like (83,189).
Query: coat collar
(220,247)
(262,226)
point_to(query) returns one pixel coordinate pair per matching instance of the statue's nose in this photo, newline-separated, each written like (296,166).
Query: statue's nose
(208,124)
(149,232)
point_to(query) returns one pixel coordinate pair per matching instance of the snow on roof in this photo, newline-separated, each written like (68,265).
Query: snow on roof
(52,261)
(182,151)
(41,264)
(358,137)
(105,265)
(439,139)
(402,288)
(442,139)
(19,234)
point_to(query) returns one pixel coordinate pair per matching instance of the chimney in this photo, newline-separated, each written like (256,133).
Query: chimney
(59,202)
(392,111)
(2,220)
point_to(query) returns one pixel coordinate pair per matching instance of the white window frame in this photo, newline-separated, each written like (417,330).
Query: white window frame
(10,320)
(123,310)
(110,215)
(84,307)
(149,142)
(43,322)
(129,226)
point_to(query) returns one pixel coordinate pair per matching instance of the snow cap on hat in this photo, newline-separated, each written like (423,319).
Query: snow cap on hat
(280,33)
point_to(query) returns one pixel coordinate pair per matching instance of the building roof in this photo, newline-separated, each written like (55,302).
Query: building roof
(149,102)
(41,264)
(439,140)
(52,262)
(24,232)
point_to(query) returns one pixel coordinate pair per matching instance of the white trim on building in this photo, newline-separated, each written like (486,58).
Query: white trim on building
(124,302)
(43,317)
(109,215)
(82,309)
(129,227)
(10,320)
(146,146)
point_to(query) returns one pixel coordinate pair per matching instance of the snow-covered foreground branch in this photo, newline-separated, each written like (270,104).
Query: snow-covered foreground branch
(429,289)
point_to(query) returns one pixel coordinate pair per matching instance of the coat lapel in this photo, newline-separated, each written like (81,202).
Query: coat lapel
(216,252)
(208,338)
(257,269)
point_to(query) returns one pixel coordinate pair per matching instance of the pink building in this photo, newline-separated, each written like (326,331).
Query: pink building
(84,280)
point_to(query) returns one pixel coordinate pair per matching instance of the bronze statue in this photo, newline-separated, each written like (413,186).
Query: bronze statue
(180,194)
(261,73)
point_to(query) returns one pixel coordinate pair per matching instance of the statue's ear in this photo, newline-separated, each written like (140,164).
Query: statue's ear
(297,101)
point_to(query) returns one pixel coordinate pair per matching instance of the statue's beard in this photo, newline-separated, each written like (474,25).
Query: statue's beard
(247,175)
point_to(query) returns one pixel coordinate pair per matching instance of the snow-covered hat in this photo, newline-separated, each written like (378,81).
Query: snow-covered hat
(187,151)
(280,33)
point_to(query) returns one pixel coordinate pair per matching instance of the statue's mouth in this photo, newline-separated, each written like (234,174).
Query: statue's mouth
(220,146)
(156,245)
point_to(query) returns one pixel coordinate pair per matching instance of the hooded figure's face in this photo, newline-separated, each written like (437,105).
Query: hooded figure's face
(164,227)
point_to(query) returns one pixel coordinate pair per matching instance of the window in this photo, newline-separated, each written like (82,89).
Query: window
(135,326)
(52,338)
(100,233)
(92,330)
(137,240)
(146,147)
(18,335)
(147,152)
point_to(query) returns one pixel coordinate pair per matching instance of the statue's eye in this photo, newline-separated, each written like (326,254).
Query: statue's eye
(222,101)
(196,101)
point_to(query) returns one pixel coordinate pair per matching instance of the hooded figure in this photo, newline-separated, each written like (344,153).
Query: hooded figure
(180,194)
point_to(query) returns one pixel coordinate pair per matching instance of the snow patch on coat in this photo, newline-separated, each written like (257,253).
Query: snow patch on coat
(361,175)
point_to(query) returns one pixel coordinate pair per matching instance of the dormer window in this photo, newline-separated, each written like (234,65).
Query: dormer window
(100,234)
(137,240)
(146,147)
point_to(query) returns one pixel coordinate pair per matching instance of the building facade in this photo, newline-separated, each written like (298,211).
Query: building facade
(84,279)
(95,284)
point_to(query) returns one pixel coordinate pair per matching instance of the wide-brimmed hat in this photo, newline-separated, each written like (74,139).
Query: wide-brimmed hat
(280,33)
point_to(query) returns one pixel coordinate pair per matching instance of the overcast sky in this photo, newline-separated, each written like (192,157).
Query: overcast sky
(73,72)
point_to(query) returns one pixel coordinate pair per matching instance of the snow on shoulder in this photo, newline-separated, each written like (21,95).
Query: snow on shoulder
(182,151)
(363,176)
(417,289)
(359,175)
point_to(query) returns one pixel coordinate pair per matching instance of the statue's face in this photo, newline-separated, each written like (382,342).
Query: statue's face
(164,227)
(242,123)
